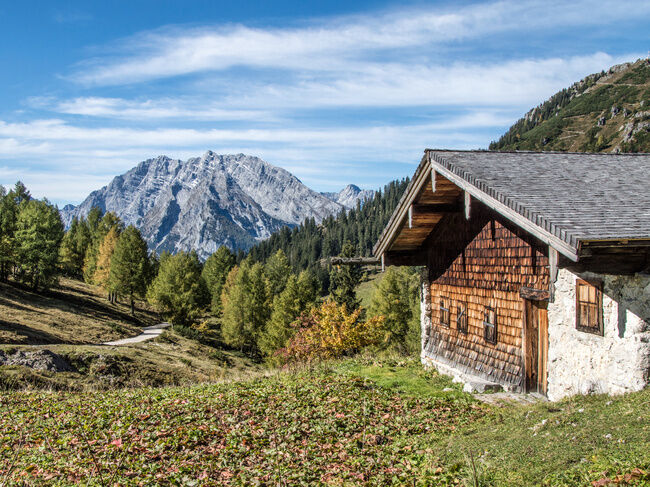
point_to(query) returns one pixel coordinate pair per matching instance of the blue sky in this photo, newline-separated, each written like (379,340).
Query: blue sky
(335,92)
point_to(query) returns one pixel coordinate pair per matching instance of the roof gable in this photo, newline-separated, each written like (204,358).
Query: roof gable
(565,199)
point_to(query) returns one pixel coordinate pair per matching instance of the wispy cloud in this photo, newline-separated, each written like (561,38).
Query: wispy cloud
(337,44)
(188,108)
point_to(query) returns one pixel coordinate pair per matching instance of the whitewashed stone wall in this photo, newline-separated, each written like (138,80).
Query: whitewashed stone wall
(425,312)
(619,361)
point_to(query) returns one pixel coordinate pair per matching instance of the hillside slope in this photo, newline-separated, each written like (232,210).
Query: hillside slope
(604,112)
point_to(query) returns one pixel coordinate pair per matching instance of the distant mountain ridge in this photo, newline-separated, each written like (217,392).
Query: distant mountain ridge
(604,112)
(205,202)
(349,195)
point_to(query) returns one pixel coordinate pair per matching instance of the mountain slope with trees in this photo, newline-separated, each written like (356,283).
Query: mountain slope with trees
(605,112)
(308,243)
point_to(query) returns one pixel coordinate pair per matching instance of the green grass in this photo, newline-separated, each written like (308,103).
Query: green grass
(356,422)
(366,289)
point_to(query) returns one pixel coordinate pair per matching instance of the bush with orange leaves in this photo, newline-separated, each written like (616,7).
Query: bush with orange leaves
(330,331)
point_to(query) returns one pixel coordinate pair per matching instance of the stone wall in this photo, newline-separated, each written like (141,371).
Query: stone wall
(618,361)
(425,313)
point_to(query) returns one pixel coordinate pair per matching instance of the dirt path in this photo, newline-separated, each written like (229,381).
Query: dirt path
(148,333)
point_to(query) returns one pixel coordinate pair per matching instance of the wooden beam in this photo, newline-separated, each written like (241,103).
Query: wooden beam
(350,261)
(383,263)
(468,204)
(534,294)
(411,216)
(553,259)
(433,180)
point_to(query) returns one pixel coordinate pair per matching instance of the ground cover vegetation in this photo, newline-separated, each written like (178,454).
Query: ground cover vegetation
(353,422)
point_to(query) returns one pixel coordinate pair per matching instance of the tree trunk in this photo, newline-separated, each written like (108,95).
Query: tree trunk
(132,306)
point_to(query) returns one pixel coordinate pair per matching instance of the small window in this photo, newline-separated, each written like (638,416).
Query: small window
(461,317)
(444,312)
(589,307)
(490,325)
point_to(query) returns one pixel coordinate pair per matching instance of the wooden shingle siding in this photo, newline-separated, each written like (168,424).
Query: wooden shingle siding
(493,263)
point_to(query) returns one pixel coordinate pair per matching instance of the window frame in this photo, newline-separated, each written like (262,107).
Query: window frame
(487,325)
(461,315)
(598,285)
(444,311)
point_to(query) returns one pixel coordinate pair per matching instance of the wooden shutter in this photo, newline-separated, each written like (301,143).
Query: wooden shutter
(589,307)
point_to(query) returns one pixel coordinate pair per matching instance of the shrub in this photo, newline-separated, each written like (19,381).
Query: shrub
(329,331)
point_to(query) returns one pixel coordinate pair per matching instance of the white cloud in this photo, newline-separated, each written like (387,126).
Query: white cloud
(188,108)
(339,44)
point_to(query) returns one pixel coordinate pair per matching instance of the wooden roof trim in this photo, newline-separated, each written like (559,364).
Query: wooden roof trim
(518,219)
(421,176)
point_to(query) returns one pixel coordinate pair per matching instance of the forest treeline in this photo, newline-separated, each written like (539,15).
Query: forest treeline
(308,243)
(277,302)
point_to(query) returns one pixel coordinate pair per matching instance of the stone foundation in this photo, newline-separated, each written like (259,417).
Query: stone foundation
(615,363)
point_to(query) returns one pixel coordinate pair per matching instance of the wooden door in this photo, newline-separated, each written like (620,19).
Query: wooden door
(535,346)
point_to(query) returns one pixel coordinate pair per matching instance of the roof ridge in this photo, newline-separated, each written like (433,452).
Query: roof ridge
(487,151)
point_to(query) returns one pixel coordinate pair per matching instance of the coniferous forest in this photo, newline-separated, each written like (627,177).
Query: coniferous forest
(308,243)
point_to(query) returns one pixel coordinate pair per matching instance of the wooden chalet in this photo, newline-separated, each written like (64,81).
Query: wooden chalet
(537,267)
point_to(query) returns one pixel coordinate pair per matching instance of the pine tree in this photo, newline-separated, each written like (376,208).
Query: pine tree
(344,281)
(39,232)
(277,270)
(245,307)
(297,297)
(98,227)
(215,271)
(8,217)
(130,265)
(103,269)
(179,292)
(74,247)
(396,299)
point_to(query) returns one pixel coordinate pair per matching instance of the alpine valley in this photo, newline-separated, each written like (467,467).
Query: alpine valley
(212,200)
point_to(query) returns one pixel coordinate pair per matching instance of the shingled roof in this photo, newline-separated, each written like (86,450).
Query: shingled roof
(570,197)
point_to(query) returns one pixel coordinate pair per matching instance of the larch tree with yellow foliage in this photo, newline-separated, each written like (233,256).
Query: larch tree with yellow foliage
(103,267)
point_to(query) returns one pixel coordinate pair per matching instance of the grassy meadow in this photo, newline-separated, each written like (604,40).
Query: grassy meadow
(352,422)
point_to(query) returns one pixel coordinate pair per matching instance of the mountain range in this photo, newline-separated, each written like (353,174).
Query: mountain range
(212,200)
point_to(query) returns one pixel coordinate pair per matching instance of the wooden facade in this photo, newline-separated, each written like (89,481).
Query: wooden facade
(478,267)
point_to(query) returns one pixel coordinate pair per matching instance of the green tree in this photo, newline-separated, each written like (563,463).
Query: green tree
(103,270)
(8,217)
(20,193)
(246,307)
(179,292)
(98,227)
(277,270)
(39,232)
(73,248)
(396,299)
(130,265)
(299,294)
(215,270)
(344,281)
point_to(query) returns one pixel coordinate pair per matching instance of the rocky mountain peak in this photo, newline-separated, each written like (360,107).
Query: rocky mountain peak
(207,201)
